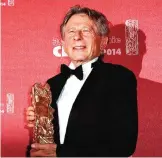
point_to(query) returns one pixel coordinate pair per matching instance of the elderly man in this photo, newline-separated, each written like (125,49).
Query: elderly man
(96,104)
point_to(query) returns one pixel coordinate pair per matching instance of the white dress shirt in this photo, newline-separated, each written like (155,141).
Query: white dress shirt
(68,95)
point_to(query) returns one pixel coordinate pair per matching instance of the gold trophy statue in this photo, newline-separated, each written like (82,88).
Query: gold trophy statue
(41,99)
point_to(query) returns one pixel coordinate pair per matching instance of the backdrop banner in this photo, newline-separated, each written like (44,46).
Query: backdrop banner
(32,52)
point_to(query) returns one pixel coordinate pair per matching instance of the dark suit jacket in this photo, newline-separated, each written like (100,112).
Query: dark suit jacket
(103,120)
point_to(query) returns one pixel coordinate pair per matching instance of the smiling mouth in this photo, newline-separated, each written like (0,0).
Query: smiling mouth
(79,47)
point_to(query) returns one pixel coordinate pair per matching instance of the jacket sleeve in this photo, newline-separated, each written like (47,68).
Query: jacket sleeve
(124,119)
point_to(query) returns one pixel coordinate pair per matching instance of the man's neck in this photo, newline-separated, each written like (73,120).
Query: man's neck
(78,63)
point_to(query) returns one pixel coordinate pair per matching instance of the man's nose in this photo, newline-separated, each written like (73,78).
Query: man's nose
(78,35)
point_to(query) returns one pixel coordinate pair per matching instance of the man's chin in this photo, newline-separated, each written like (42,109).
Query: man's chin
(81,58)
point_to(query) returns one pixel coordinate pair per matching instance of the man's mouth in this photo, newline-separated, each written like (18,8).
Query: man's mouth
(79,47)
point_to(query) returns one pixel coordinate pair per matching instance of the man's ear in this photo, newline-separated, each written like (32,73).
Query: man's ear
(62,43)
(104,42)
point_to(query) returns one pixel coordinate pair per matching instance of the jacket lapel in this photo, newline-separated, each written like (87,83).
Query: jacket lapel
(87,88)
(56,84)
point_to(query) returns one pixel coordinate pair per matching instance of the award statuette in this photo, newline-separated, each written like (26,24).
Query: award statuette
(43,128)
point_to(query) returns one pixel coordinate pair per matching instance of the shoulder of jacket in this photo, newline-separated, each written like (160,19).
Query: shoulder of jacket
(119,70)
(54,79)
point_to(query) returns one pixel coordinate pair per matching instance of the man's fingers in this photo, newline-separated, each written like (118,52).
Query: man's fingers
(30,118)
(35,153)
(29,113)
(30,124)
(44,146)
(30,108)
(42,153)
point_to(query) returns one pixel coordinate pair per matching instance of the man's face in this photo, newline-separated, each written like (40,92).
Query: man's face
(80,39)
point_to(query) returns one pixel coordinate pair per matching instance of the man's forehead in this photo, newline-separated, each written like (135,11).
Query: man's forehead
(80,14)
(81,19)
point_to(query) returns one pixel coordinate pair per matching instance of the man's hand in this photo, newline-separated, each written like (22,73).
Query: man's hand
(30,116)
(43,150)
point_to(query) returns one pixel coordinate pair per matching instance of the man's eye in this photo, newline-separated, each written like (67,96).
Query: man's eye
(86,30)
(71,31)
